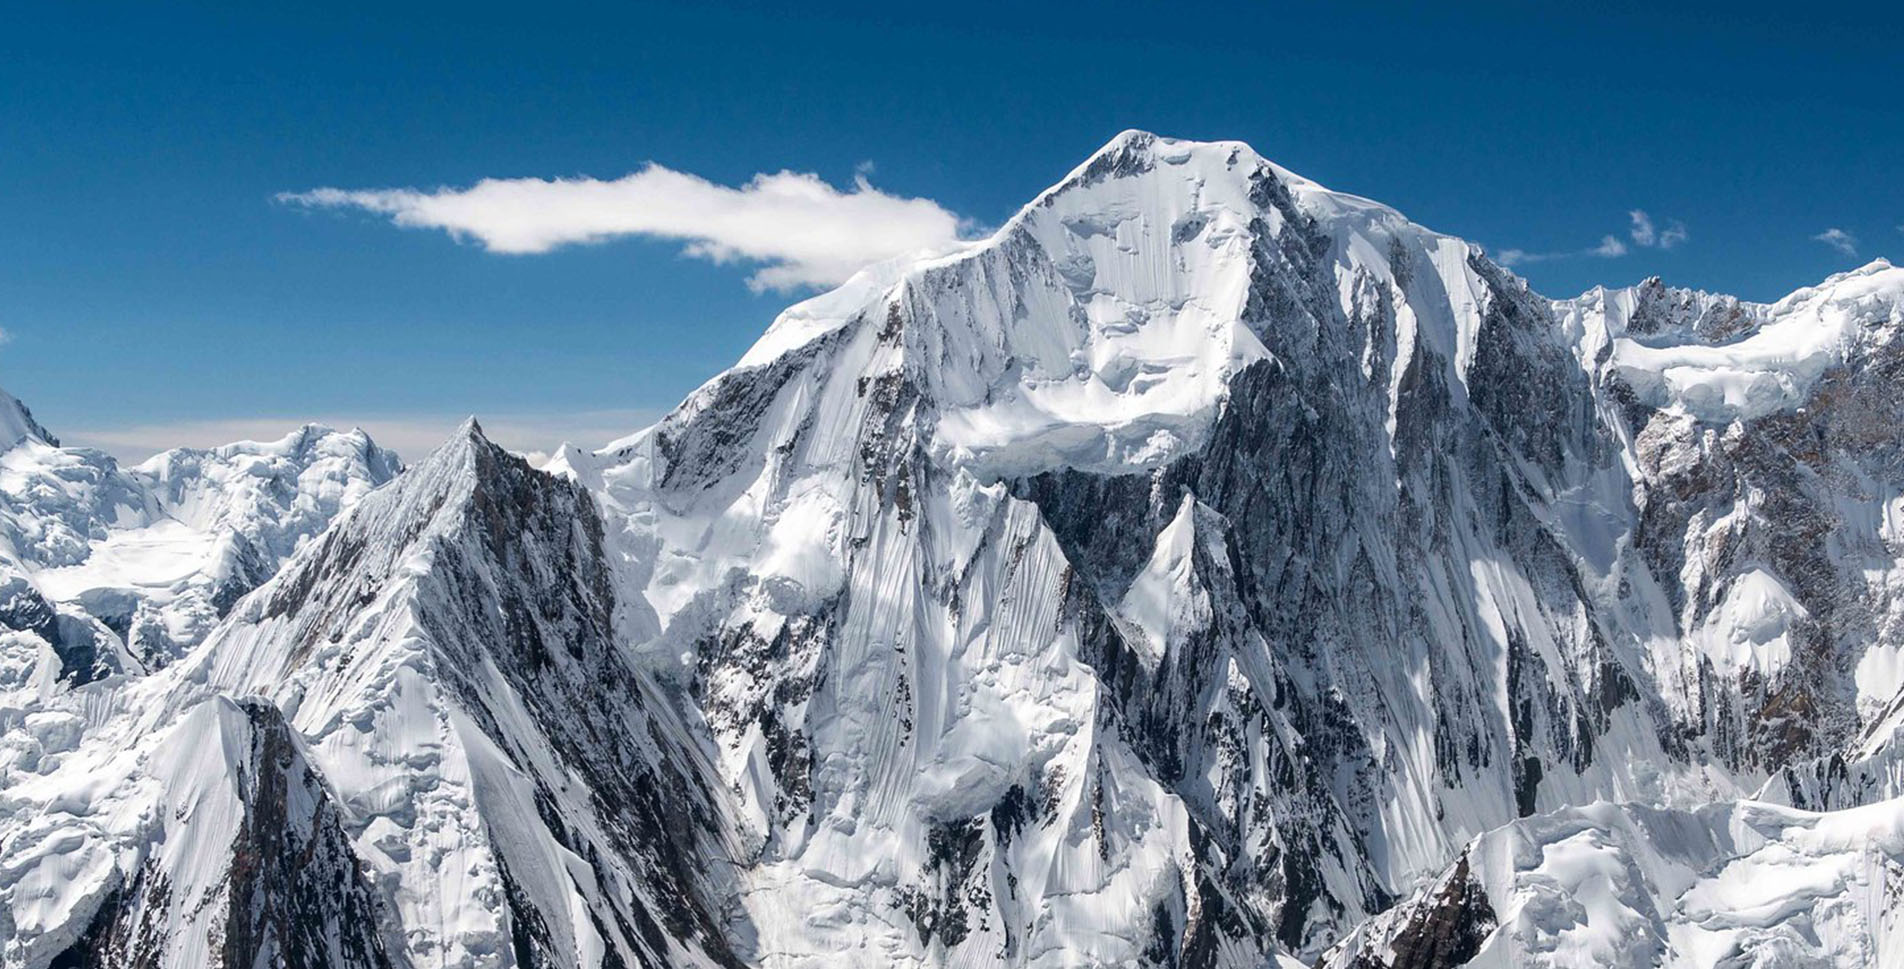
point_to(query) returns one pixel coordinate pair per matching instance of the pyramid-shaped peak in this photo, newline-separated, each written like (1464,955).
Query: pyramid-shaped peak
(467,436)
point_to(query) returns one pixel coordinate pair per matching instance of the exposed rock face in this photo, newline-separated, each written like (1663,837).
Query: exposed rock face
(248,862)
(1445,931)
(1313,584)
(1206,569)
(508,781)
(1762,493)
(471,603)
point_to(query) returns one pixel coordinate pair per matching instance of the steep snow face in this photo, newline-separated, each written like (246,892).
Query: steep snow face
(1767,479)
(17,424)
(1101,327)
(230,853)
(153,556)
(1363,549)
(1178,574)
(1626,887)
(512,789)
(448,650)
(1109,317)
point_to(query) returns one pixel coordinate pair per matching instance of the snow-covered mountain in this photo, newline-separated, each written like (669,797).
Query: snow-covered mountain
(1738,883)
(1206,569)
(142,562)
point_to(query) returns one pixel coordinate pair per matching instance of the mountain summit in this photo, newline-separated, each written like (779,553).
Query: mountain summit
(17,424)
(1206,569)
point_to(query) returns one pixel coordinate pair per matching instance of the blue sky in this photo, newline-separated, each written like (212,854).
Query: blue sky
(155,290)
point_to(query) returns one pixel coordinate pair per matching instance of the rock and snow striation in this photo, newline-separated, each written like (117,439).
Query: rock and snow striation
(442,666)
(1206,569)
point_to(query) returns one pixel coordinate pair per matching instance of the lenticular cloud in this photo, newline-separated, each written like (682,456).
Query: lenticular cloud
(802,230)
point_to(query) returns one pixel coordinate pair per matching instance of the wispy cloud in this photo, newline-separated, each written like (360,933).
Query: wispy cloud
(1644,232)
(801,230)
(1838,239)
(5,337)
(411,435)
(1610,247)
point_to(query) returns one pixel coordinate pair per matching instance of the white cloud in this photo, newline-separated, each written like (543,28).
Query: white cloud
(1609,248)
(802,230)
(1838,239)
(1646,235)
(411,435)
(5,337)
(1642,231)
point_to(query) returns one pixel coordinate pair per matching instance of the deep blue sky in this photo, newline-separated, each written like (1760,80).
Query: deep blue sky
(147,277)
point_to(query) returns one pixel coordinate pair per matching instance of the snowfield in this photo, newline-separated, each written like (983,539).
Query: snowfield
(1207,569)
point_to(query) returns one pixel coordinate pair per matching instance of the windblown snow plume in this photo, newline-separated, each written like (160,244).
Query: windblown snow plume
(1207,569)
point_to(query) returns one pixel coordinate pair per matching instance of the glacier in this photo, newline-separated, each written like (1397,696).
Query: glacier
(1204,569)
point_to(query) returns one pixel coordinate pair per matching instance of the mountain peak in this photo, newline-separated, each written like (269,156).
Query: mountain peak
(1129,147)
(1130,138)
(467,439)
(1134,153)
(17,424)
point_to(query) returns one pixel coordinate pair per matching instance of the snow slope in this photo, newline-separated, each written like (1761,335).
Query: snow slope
(17,424)
(1739,884)
(233,854)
